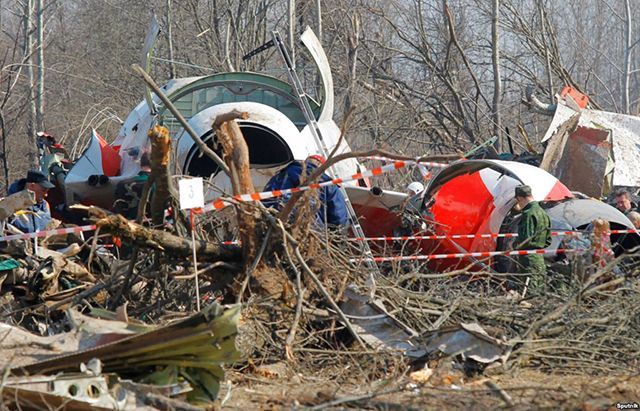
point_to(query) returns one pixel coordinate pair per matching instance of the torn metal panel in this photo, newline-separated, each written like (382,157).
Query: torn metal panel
(469,341)
(68,391)
(55,263)
(214,328)
(555,150)
(15,202)
(580,212)
(15,397)
(578,156)
(377,327)
(19,347)
(625,139)
(149,42)
(562,115)
(319,57)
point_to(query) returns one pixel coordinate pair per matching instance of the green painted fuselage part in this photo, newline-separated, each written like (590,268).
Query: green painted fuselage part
(235,87)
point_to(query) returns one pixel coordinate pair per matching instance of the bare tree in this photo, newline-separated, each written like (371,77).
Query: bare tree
(421,74)
(497,81)
(28,54)
(172,64)
(628,51)
(319,19)
(291,18)
(39,90)
(543,31)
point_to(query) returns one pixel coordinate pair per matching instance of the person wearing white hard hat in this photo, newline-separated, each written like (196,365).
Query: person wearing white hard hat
(415,188)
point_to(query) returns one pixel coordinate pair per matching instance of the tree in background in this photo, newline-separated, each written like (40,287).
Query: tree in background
(419,76)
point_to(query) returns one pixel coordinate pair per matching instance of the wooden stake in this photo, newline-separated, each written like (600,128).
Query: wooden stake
(195,261)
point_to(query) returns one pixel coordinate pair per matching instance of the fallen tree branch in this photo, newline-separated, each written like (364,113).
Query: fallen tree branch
(164,241)
(288,343)
(294,244)
(252,267)
(325,293)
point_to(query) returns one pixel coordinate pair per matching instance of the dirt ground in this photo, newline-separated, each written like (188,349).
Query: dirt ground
(277,386)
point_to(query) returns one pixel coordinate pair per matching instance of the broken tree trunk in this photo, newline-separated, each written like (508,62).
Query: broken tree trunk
(236,156)
(160,157)
(173,245)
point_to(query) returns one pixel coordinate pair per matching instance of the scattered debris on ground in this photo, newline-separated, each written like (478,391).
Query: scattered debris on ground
(110,322)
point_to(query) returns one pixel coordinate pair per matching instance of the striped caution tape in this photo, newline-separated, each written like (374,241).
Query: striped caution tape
(624,232)
(412,162)
(454,236)
(57,231)
(265,195)
(484,254)
(471,236)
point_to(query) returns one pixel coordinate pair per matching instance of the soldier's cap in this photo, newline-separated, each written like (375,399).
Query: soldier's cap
(35,176)
(523,191)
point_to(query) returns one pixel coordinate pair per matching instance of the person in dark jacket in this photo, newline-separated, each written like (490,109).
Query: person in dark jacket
(332,208)
(624,203)
(38,216)
(534,233)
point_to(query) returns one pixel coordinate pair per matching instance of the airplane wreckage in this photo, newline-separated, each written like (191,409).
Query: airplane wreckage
(464,209)
(469,196)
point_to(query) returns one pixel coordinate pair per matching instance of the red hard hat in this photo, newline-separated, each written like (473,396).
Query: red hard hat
(318,158)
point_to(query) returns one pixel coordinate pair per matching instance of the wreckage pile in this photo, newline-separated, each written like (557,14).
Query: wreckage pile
(94,326)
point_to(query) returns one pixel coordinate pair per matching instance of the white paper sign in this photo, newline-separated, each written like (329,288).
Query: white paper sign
(191,193)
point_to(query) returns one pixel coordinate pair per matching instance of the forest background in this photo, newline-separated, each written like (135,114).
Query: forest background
(419,76)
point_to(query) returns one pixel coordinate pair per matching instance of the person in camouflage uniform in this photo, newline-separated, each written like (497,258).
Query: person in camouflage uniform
(534,233)
(128,193)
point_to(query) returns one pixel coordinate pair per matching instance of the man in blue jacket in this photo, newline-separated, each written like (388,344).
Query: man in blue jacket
(38,216)
(332,208)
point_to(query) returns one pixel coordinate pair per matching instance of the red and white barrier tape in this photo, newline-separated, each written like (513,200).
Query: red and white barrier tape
(484,254)
(219,204)
(454,236)
(470,236)
(416,162)
(57,231)
(624,232)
